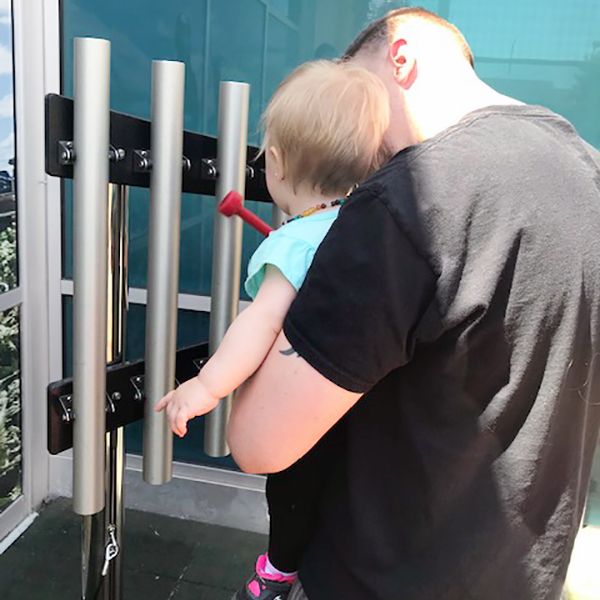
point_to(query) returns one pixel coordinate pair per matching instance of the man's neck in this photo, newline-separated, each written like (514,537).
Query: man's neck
(432,111)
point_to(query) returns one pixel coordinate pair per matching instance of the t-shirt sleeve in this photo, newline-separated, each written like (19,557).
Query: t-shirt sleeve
(291,255)
(356,316)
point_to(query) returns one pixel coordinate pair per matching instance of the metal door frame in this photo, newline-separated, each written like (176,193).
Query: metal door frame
(36,60)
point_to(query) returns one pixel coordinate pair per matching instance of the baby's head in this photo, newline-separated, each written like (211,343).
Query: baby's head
(324,130)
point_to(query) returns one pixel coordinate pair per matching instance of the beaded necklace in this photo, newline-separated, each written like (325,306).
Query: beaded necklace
(318,207)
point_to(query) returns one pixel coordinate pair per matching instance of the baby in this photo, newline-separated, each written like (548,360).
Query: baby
(324,130)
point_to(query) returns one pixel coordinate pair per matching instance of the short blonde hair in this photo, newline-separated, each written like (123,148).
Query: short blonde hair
(327,120)
(381,30)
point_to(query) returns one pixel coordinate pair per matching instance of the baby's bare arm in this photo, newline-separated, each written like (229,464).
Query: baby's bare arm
(250,336)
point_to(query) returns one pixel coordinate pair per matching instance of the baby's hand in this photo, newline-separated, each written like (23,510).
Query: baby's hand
(191,399)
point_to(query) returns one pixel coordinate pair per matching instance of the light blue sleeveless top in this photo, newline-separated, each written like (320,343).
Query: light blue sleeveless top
(291,249)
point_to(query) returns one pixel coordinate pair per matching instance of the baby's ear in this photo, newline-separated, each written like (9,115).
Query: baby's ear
(276,160)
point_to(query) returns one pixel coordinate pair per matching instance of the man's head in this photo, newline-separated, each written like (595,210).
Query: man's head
(419,56)
(382,32)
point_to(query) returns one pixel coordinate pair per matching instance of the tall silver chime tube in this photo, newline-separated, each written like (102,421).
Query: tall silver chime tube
(163,262)
(227,248)
(90,239)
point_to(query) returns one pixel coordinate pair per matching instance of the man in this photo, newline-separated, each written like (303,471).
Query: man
(451,323)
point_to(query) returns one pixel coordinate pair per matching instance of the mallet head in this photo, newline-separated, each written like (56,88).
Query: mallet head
(231,204)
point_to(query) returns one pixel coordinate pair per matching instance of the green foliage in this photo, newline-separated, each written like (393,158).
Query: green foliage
(10,438)
(10,401)
(8,257)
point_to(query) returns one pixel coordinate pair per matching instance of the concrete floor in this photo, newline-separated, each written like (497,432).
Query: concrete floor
(164,558)
(173,559)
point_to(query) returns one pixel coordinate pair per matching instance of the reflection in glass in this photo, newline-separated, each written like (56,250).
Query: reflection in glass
(10,409)
(8,209)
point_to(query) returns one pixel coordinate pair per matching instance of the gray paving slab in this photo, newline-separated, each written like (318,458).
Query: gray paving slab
(164,558)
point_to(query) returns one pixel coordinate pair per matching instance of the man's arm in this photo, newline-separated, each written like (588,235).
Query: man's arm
(281,412)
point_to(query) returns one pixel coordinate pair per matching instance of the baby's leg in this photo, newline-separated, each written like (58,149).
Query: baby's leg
(293,499)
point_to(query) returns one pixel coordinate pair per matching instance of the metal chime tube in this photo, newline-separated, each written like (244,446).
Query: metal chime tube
(163,262)
(90,237)
(115,353)
(227,248)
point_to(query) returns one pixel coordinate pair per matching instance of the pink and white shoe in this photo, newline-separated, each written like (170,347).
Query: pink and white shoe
(262,586)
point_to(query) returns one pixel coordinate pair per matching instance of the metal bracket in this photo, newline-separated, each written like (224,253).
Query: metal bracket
(125,396)
(128,134)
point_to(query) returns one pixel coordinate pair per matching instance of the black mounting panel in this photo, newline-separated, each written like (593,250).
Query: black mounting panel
(124,396)
(130,134)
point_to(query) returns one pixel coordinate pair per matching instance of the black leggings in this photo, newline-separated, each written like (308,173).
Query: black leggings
(293,497)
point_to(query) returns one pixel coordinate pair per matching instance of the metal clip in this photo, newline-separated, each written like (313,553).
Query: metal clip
(66,408)
(208,168)
(199,362)
(66,152)
(142,161)
(187,164)
(138,385)
(249,172)
(115,154)
(111,551)
(110,402)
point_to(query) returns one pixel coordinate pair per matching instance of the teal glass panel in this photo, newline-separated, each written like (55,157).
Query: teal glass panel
(542,52)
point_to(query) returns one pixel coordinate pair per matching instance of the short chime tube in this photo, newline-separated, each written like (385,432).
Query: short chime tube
(90,238)
(227,246)
(166,153)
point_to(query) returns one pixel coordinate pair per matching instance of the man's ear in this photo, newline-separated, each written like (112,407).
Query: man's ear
(276,161)
(403,61)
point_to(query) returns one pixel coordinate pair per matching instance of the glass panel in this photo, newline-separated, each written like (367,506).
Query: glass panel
(556,63)
(8,205)
(10,409)
(592,516)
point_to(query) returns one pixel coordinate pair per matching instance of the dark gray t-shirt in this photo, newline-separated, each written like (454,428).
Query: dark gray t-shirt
(460,289)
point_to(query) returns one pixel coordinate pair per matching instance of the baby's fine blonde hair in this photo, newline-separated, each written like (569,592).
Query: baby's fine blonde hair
(327,120)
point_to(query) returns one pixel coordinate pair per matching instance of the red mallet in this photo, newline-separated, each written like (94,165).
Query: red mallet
(232,205)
